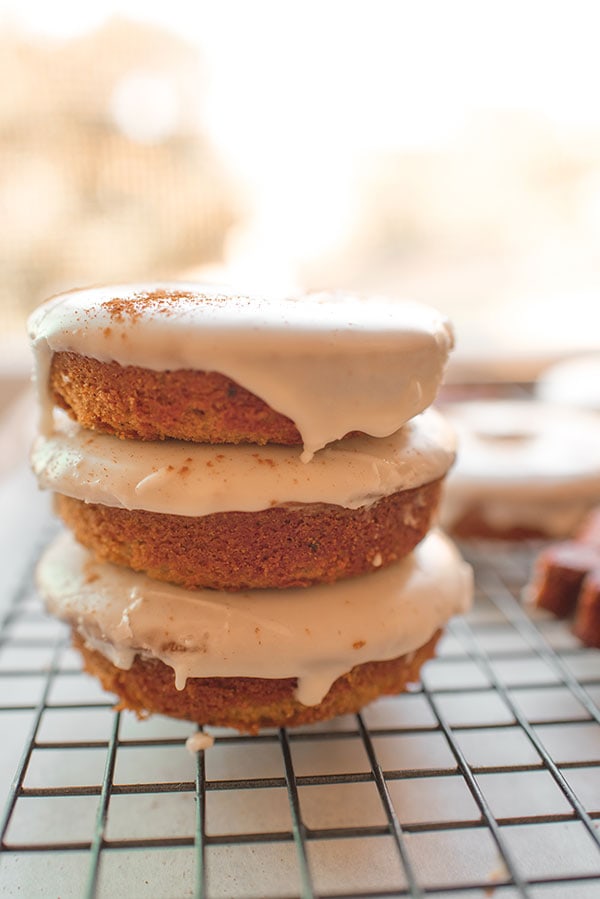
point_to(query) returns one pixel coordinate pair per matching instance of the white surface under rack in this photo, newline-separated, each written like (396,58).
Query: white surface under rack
(485,782)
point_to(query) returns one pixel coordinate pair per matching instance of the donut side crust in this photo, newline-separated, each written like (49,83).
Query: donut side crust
(141,404)
(248,704)
(277,547)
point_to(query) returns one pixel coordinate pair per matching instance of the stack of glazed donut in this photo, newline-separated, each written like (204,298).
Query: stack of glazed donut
(248,485)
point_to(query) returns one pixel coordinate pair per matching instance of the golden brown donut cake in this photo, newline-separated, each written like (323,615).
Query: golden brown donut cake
(260,657)
(279,547)
(138,403)
(245,703)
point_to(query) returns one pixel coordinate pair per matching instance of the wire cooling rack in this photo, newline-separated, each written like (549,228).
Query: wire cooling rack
(485,782)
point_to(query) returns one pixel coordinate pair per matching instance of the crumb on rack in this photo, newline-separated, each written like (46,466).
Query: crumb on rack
(198,742)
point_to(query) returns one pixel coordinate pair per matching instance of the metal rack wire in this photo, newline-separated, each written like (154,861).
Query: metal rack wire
(485,781)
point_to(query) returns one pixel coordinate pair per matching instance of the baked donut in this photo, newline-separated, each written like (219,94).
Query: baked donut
(525,469)
(236,517)
(572,382)
(257,658)
(205,364)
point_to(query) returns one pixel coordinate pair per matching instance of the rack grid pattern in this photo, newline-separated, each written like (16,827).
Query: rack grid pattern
(485,781)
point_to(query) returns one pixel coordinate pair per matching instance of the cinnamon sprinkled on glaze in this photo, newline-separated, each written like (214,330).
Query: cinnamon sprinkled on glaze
(164,302)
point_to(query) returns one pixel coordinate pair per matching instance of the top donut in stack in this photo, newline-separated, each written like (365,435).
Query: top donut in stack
(222,451)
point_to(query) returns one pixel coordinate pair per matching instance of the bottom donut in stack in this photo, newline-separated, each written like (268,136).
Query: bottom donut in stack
(257,658)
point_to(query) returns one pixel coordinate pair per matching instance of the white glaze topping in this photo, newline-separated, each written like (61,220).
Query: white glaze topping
(333,363)
(314,634)
(523,463)
(176,477)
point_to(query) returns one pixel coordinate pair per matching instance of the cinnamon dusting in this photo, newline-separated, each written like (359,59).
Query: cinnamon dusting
(162,301)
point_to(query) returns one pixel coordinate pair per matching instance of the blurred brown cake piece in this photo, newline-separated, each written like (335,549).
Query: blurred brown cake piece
(560,570)
(587,614)
(589,532)
(566,581)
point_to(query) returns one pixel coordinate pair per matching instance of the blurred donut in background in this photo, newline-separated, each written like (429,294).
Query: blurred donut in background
(573,382)
(525,469)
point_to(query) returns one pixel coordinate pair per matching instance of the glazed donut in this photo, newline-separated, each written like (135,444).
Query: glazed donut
(200,363)
(236,517)
(257,658)
(524,469)
(572,382)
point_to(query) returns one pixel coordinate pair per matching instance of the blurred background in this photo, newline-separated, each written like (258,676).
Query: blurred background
(449,152)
